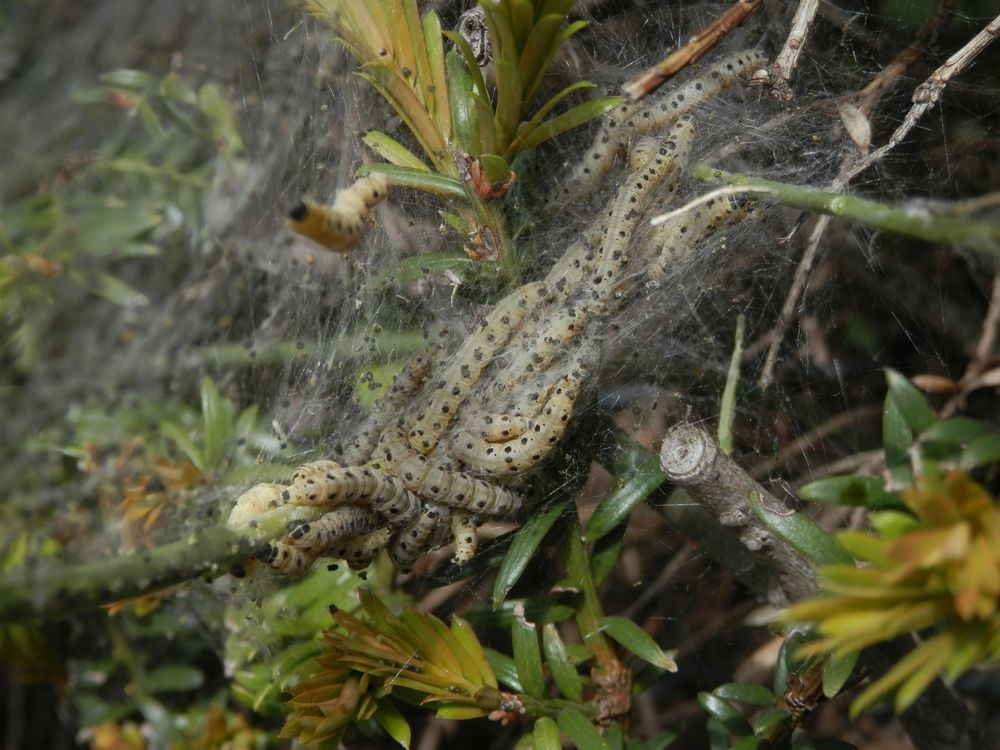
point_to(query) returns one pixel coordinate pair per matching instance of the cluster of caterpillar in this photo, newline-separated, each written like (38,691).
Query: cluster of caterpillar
(449,441)
(340,226)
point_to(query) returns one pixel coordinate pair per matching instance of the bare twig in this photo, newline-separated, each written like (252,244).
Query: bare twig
(792,300)
(983,354)
(890,73)
(788,59)
(691,459)
(926,95)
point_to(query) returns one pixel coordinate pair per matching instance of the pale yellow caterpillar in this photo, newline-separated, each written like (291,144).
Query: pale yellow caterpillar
(671,240)
(541,347)
(304,472)
(463,529)
(342,225)
(284,558)
(255,502)
(629,204)
(468,363)
(326,532)
(460,491)
(360,552)
(530,449)
(412,541)
(630,121)
(327,483)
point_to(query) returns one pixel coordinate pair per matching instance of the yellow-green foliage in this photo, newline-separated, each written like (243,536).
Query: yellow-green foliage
(414,656)
(938,568)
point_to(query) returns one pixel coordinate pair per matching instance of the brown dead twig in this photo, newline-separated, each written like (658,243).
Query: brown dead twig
(891,73)
(779,73)
(651,79)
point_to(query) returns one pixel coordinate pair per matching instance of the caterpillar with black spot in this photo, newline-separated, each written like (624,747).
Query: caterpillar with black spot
(326,532)
(328,483)
(630,121)
(438,481)
(631,201)
(669,239)
(285,558)
(468,363)
(360,552)
(404,386)
(412,541)
(526,452)
(463,530)
(341,226)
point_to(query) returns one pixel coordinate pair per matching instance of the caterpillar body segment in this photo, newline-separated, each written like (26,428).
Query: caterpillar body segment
(285,558)
(411,542)
(502,427)
(326,532)
(304,472)
(634,120)
(544,345)
(463,530)
(671,240)
(642,152)
(395,503)
(468,363)
(255,502)
(340,226)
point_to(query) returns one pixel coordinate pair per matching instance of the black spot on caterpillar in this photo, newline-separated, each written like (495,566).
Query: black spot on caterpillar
(342,225)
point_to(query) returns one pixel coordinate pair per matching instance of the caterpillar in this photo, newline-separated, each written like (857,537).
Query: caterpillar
(460,491)
(360,552)
(328,483)
(540,348)
(629,204)
(438,482)
(468,363)
(253,503)
(340,226)
(670,239)
(316,537)
(630,121)
(284,558)
(463,530)
(530,449)
(412,541)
